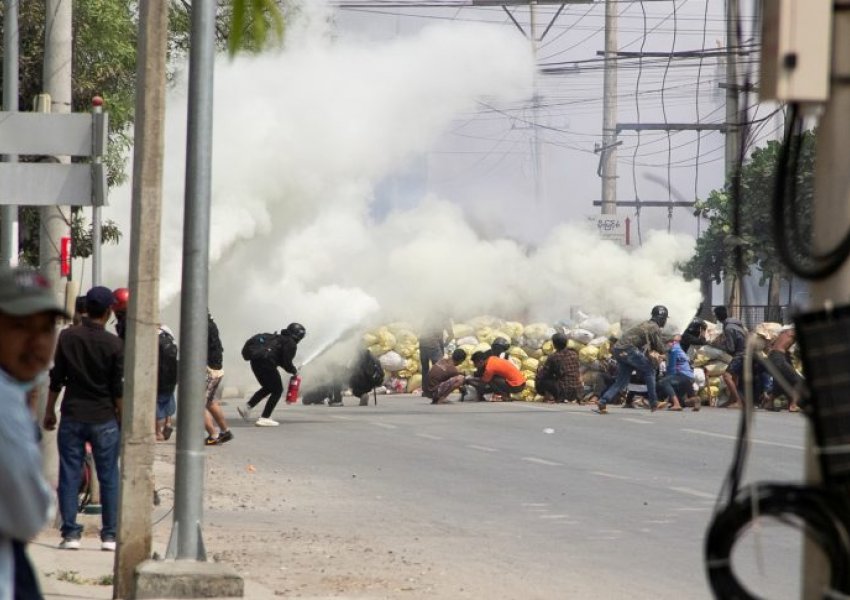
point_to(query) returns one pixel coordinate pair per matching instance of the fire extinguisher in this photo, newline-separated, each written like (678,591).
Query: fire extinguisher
(292,390)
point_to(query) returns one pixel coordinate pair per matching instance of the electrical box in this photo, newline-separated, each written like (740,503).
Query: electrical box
(796,46)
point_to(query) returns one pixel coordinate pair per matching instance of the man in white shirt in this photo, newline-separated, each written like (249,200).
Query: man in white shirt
(28,314)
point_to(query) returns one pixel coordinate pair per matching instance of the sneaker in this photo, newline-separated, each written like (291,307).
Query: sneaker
(210,441)
(601,409)
(265,422)
(224,436)
(244,411)
(108,545)
(69,544)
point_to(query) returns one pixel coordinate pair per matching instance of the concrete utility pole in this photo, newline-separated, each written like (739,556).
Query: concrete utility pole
(190,576)
(831,214)
(9,215)
(608,157)
(57,83)
(536,150)
(141,351)
(732,289)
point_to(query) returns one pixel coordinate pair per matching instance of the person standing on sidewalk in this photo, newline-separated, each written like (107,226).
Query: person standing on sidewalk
(89,366)
(166,383)
(279,351)
(630,354)
(28,314)
(213,415)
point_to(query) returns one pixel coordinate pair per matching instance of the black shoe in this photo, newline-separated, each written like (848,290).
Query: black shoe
(210,441)
(224,436)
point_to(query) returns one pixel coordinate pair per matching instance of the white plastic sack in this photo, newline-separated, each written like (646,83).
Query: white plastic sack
(392,361)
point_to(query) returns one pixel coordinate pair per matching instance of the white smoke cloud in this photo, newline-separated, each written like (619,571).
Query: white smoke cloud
(302,137)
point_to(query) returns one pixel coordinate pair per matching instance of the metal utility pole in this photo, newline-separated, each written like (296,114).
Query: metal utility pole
(137,439)
(57,84)
(9,215)
(186,540)
(608,157)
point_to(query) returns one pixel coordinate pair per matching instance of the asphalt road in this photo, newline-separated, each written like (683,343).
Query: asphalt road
(519,500)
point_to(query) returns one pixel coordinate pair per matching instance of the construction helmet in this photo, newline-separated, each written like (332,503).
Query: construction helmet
(122,298)
(500,345)
(659,315)
(296,331)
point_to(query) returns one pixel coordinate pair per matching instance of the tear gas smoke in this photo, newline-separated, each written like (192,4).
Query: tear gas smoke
(301,139)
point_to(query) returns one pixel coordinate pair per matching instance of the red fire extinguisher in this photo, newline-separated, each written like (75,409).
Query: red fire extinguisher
(292,390)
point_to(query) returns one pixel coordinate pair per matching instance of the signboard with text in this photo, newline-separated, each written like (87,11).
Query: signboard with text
(611,227)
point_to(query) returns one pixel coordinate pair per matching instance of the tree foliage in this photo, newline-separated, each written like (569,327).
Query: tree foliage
(714,256)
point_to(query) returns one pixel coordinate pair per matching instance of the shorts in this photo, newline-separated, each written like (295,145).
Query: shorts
(736,367)
(166,405)
(214,378)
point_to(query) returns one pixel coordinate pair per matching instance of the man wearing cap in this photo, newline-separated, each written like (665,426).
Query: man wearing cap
(28,312)
(89,365)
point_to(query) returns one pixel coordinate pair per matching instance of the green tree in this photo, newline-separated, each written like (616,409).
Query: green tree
(714,256)
(104,64)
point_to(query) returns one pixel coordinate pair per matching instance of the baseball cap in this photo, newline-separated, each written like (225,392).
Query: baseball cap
(25,292)
(100,296)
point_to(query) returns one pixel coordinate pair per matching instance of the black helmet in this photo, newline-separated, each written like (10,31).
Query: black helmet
(500,345)
(296,331)
(659,315)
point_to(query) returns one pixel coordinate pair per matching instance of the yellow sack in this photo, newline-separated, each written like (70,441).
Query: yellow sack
(462,330)
(548,348)
(517,352)
(369,339)
(385,338)
(377,349)
(575,345)
(514,329)
(588,354)
(414,383)
(530,365)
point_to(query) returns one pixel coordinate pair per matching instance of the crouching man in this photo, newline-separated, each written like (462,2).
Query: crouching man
(444,378)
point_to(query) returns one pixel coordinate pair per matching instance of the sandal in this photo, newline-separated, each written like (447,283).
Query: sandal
(675,408)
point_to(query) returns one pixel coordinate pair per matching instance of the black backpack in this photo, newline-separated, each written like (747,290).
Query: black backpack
(372,369)
(261,345)
(168,363)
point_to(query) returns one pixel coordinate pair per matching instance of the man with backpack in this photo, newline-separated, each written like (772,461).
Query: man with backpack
(366,376)
(734,342)
(166,378)
(266,352)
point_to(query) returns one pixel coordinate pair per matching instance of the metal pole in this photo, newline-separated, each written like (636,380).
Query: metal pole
(609,112)
(186,539)
(831,213)
(135,530)
(96,269)
(9,215)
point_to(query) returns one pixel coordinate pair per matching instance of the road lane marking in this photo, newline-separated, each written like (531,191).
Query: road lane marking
(735,437)
(428,436)
(640,421)
(611,475)
(482,448)
(542,461)
(554,516)
(342,417)
(384,425)
(692,492)
(535,504)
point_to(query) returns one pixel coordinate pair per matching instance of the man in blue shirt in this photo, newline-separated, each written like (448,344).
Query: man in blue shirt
(679,379)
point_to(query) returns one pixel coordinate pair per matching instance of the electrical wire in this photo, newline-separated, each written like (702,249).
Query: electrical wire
(805,264)
(637,144)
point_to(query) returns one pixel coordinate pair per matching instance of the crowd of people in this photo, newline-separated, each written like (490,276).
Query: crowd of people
(84,363)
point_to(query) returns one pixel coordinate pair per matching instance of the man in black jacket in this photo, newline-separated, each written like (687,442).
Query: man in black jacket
(264,366)
(89,365)
(213,415)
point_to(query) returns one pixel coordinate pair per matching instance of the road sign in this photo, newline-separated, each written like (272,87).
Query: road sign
(53,183)
(611,227)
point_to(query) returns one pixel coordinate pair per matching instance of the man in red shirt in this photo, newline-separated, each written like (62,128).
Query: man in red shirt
(499,376)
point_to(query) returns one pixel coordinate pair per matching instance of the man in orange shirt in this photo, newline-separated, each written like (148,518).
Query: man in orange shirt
(500,376)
